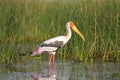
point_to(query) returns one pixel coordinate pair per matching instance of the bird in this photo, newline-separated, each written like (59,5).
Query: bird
(52,45)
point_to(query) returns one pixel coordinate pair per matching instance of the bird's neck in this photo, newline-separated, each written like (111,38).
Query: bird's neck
(68,36)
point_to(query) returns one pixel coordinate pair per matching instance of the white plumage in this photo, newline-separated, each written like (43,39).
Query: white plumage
(51,49)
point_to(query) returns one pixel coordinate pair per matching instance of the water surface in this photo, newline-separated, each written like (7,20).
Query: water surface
(63,70)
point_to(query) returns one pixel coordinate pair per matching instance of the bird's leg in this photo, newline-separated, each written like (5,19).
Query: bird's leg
(50,60)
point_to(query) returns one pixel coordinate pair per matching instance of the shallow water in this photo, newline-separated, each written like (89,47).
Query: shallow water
(63,70)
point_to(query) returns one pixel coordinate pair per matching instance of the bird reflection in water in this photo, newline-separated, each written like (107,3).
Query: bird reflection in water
(51,75)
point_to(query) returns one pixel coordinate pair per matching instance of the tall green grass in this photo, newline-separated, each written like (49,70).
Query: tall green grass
(24,24)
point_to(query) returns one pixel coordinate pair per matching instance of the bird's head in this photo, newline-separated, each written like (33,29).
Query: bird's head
(73,27)
(35,51)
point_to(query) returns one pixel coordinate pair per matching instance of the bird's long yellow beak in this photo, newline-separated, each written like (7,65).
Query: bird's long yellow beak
(78,32)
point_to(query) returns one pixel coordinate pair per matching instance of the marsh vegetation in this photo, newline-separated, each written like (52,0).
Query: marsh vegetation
(24,24)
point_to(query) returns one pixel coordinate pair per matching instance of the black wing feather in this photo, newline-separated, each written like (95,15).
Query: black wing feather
(53,44)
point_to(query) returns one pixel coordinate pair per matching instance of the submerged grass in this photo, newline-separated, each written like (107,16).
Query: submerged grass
(26,23)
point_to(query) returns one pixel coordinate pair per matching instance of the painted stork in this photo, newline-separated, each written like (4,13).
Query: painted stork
(53,44)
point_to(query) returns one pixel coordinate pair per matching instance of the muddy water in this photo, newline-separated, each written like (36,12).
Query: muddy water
(63,70)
